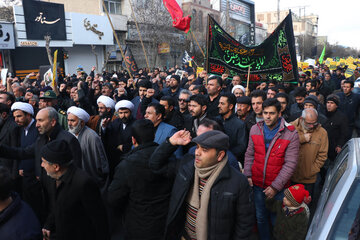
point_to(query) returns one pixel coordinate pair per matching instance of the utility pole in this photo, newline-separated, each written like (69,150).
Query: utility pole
(303,18)
(278,12)
(227,16)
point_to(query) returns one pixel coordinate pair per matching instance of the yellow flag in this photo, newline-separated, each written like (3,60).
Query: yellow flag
(54,80)
(305,65)
(350,70)
(199,70)
(342,62)
(332,65)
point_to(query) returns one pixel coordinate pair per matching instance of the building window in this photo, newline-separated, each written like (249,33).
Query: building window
(193,17)
(200,21)
(261,17)
(113,6)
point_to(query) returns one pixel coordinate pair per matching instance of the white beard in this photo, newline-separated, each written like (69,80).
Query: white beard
(75,130)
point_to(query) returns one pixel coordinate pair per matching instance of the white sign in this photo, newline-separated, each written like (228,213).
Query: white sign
(48,76)
(7,40)
(4,76)
(91,29)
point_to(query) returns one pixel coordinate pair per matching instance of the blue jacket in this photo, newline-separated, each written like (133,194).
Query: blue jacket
(165,131)
(18,221)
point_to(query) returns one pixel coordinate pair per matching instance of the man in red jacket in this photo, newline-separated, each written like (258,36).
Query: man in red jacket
(270,160)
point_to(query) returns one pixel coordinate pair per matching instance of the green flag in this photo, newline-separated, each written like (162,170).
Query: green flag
(321,59)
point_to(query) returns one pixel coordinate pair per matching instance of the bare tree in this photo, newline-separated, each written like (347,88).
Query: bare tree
(6,13)
(155,25)
(308,50)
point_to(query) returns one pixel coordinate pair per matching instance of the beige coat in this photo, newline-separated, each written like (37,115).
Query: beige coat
(312,154)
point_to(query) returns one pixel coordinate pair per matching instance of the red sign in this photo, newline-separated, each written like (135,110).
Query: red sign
(237,8)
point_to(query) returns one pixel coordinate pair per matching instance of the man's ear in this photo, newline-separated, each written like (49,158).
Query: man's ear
(232,106)
(3,115)
(203,108)
(133,140)
(221,155)
(56,167)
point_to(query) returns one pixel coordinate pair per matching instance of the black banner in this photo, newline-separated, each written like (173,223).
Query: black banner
(44,18)
(275,58)
(130,60)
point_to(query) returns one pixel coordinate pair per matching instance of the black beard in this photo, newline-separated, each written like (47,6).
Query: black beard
(125,120)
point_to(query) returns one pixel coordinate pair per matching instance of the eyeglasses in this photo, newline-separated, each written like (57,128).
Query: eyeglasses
(311,124)
(182,100)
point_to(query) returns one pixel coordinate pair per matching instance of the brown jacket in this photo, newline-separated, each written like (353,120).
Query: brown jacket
(312,154)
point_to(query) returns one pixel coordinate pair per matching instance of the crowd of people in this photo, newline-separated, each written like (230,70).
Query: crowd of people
(163,155)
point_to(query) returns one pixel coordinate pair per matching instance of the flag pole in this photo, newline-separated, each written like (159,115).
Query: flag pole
(197,43)
(117,39)
(247,83)
(207,45)
(195,63)
(141,41)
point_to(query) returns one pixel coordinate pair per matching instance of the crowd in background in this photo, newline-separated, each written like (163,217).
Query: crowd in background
(106,154)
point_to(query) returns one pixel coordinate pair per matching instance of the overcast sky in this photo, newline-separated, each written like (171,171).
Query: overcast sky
(339,20)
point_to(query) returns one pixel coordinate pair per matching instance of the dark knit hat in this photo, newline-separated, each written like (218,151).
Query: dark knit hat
(177,77)
(334,98)
(213,139)
(57,151)
(297,194)
(313,100)
(244,100)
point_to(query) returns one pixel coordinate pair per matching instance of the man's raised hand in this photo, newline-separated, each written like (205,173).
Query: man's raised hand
(181,137)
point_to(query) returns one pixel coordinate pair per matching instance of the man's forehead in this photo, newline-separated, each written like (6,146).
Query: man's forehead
(311,118)
(270,109)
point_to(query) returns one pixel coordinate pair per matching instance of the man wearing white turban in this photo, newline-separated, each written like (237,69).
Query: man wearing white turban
(98,123)
(238,91)
(117,138)
(24,135)
(94,160)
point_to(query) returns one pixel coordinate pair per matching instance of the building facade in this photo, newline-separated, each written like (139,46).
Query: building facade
(305,29)
(237,18)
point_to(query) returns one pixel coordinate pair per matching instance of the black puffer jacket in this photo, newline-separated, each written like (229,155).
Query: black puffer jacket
(337,129)
(142,195)
(231,213)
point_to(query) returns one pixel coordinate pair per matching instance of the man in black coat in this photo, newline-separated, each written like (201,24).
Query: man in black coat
(209,199)
(7,127)
(141,195)
(117,137)
(336,126)
(233,126)
(17,220)
(172,116)
(77,210)
(349,105)
(214,86)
